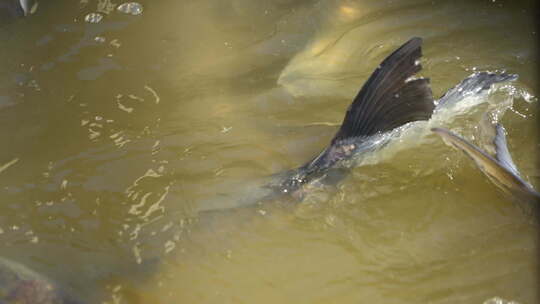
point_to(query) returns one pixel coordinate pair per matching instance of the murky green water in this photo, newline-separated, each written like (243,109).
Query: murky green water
(115,134)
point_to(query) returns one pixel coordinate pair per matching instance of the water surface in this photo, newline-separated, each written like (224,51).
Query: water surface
(116,134)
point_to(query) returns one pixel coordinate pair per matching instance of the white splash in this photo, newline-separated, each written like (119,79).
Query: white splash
(8,164)
(130,8)
(93,18)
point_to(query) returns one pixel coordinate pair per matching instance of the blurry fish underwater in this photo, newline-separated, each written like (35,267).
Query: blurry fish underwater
(21,285)
(498,167)
(11,10)
(390,100)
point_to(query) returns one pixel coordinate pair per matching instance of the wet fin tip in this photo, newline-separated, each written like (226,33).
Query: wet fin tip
(501,150)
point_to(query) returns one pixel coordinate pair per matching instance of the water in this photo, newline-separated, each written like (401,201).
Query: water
(115,133)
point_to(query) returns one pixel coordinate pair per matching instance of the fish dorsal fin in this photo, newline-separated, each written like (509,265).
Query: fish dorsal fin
(389,98)
(501,150)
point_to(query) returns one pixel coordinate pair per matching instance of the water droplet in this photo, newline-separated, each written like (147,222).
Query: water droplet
(169,246)
(93,18)
(115,43)
(131,8)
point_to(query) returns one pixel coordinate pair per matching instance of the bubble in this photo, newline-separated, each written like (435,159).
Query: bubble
(131,8)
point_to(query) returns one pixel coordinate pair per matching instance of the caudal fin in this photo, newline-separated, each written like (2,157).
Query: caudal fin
(390,97)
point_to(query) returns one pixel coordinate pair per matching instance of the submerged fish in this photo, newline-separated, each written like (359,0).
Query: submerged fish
(13,9)
(499,167)
(21,285)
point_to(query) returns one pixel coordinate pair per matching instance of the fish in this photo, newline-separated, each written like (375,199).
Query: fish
(356,136)
(390,98)
(389,102)
(498,165)
(22,285)
(10,10)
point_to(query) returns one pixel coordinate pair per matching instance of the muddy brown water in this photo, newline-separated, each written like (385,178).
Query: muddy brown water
(115,134)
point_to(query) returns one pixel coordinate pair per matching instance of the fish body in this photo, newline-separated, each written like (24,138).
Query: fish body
(21,285)
(389,100)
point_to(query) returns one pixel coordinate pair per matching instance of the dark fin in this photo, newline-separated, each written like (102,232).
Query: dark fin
(389,98)
(474,84)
